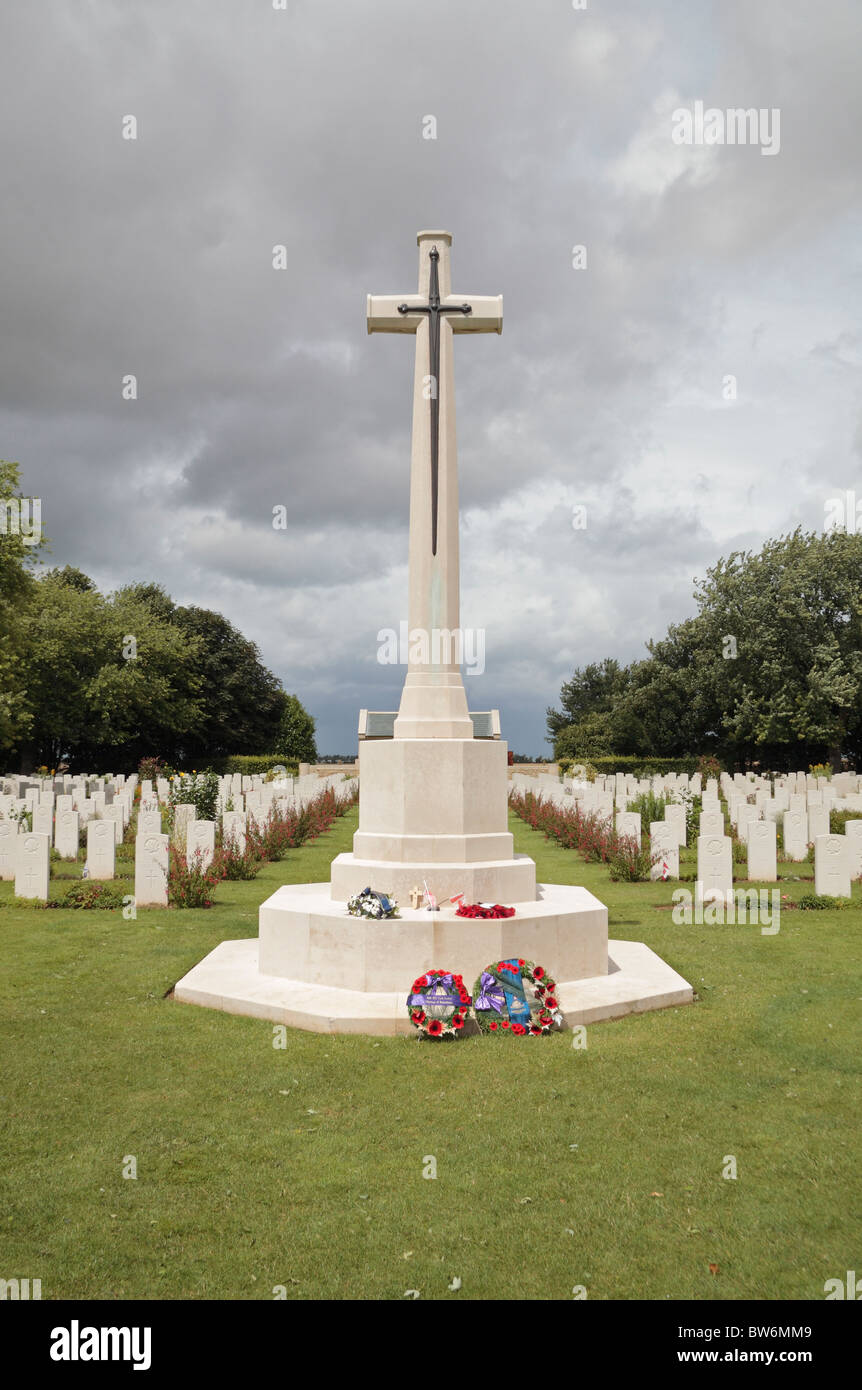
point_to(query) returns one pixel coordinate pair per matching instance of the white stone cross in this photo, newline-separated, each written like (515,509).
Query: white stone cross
(434,704)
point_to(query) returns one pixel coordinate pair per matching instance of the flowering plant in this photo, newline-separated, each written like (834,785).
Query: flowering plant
(369,903)
(438,1004)
(516,996)
(190,883)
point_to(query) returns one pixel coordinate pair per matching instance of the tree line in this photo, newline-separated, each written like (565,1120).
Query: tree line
(98,681)
(769,669)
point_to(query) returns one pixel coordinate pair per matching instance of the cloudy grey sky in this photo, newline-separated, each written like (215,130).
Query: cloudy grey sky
(303,126)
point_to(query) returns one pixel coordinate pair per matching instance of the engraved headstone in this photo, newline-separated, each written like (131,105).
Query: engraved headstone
(831,866)
(31,866)
(8,839)
(66,843)
(101,849)
(151,870)
(762,859)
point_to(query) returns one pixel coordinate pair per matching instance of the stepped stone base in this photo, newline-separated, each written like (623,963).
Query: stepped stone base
(508,881)
(229,979)
(305,935)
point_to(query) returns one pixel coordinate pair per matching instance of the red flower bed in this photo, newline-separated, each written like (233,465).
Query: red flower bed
(571,827)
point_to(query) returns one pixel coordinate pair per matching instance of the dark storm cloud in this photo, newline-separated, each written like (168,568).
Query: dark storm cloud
(260,388)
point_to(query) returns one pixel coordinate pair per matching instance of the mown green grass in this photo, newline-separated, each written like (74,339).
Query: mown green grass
(303,1167)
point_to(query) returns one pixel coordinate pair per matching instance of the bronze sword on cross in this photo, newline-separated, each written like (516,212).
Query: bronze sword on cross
(434,309)
(464,314)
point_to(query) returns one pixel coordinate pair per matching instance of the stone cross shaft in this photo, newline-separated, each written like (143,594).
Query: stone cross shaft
(434,704)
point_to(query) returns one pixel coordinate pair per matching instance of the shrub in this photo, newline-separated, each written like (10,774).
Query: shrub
(189,884)
(151,768)
(819,902)
(629,861)
(571,827)
(200,790)
(838,820)
(708,766)
(288,829)
(233,863)
(820,770)
(280,832)
(651,807)
(92,893)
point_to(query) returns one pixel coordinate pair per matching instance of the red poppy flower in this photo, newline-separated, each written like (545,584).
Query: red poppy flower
(420,984)
(418,1016)
(493,1026)
(518,1028)
(435,1028)
(522,963)
(457,1022)
(551,1002)
(464,996)
(534,1028)
(506,1023)
(538,972)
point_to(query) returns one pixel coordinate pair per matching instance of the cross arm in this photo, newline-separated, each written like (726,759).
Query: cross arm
(382,314)
(486,314)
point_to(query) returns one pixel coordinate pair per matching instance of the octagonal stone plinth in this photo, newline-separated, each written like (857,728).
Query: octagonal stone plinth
(306,936)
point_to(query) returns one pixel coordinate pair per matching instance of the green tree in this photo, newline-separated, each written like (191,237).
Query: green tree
(793,689)
(769,669)
(19,555)
(105,676)
(295,736)
(243,701)
(593,689)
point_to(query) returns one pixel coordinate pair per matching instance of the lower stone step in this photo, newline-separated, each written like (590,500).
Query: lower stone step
(229,979)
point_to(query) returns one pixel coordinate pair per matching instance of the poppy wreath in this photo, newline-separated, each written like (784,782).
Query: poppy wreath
(434,993)
(501,1004)
(483,910)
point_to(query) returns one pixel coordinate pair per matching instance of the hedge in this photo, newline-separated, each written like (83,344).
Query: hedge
(636,766)
(248,764)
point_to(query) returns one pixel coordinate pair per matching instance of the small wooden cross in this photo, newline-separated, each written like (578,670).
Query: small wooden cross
(415,897)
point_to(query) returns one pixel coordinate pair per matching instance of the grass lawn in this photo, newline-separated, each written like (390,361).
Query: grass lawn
(303,1166)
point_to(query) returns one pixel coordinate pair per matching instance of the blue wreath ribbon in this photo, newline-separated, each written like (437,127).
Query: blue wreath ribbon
(513,988)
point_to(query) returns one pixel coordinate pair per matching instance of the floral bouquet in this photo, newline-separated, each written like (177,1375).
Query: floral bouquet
(492,910)
(369,903)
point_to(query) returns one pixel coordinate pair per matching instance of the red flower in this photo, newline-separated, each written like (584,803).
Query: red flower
(463,996)
(538,972)
(493,1026)
(506,1023)
(551,1002)
(518,1028)
(458,1022)
(435,1028)
(418,1016)
(421,983)
(522,963)
(534,1028)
